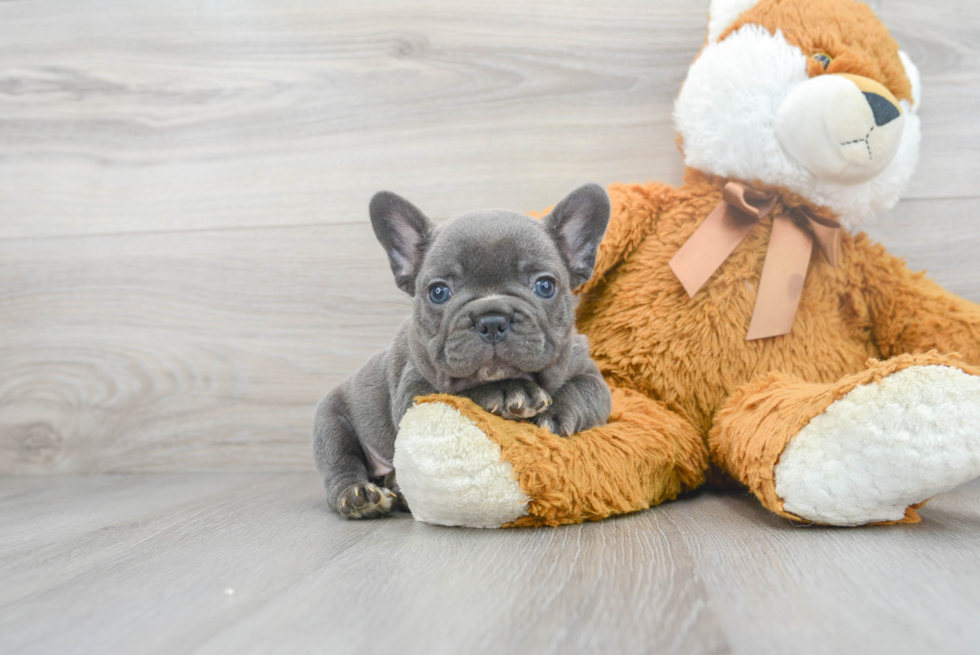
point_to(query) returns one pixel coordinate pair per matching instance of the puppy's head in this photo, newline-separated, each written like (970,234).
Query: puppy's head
(492,289)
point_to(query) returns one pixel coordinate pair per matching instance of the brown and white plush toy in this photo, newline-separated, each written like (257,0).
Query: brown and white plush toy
(747,331)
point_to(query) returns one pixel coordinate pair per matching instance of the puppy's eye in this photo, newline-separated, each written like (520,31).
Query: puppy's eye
(439,294)
(545,287)
(824,59)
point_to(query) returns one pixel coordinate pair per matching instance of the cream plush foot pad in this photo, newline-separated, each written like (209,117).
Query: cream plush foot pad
(883,447)
(451,473)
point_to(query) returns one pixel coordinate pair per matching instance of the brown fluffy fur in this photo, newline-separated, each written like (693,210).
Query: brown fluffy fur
(849,32)
(719,398)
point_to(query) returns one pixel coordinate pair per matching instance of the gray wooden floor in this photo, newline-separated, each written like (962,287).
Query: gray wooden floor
(253,563)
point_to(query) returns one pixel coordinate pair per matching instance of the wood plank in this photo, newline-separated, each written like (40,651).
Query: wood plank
(194,350)
(208,350)
(940,237)
(141,564)
(780,588)
(947,167)
(190,115)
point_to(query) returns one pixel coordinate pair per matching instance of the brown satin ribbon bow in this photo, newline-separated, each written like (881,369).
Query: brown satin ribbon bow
(787,259)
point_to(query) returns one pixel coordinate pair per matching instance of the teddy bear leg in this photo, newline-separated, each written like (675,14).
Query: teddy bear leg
(870,448)
(459,465)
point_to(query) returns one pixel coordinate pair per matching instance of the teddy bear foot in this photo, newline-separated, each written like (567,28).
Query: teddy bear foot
(884,448)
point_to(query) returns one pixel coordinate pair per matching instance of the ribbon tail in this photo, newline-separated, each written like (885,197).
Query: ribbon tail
(710,246)
(783,275)
(828,240)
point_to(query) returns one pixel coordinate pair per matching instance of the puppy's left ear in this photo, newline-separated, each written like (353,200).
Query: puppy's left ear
(404,232)
(577,224)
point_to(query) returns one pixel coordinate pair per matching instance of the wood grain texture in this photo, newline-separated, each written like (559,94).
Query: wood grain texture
(191,350)
(185,261)
(190,114)
(184,115)
(141,563)
(780,588)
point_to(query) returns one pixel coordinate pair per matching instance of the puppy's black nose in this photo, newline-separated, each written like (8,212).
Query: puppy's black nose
(492,328)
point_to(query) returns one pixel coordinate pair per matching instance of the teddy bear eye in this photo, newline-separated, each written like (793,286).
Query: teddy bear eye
(824,59)
(439,294)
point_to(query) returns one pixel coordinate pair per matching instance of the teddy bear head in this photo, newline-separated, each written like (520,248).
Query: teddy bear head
(812,96)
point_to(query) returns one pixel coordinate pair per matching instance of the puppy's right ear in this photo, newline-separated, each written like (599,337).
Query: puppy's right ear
(404,232)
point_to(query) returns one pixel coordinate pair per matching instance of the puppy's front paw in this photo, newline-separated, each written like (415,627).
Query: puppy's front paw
(366,501)
(562,423)
(512,399)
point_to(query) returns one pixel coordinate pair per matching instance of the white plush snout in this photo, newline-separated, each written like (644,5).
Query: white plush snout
(839,132)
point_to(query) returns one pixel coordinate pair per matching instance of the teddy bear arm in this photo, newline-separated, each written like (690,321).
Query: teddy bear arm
(459,465)
(912,314)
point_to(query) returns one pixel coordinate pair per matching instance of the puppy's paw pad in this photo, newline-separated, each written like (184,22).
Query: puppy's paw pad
(366,501)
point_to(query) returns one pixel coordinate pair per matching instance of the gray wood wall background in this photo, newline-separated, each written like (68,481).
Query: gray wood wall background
(186,264)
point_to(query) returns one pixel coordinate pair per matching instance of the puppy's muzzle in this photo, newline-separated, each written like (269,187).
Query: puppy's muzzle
(492,328)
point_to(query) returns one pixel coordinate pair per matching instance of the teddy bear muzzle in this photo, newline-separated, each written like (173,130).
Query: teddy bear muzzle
(840,127)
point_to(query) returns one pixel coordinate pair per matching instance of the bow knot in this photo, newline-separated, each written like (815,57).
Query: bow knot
(787,259)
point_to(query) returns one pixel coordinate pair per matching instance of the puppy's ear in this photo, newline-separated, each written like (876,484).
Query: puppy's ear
(577,224)
(404,232)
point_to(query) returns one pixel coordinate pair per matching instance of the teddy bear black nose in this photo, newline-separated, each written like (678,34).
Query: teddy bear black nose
(884,111)
(492,328)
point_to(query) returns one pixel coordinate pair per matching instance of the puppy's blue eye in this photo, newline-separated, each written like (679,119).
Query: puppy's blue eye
(439,294)
(545,287)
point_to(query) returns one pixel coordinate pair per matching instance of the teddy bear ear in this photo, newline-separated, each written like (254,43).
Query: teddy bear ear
(723,14)
(912,72)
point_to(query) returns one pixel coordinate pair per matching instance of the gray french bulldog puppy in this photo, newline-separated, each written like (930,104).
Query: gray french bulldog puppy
(493,319)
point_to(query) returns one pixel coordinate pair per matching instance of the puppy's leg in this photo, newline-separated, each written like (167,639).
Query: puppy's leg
(513,399)
(581,403)
(340,460)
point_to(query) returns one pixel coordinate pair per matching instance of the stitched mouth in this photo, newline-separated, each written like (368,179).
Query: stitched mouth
(866,141)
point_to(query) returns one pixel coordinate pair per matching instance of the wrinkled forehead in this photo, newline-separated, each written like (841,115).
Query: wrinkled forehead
(847,31)
(490,247)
